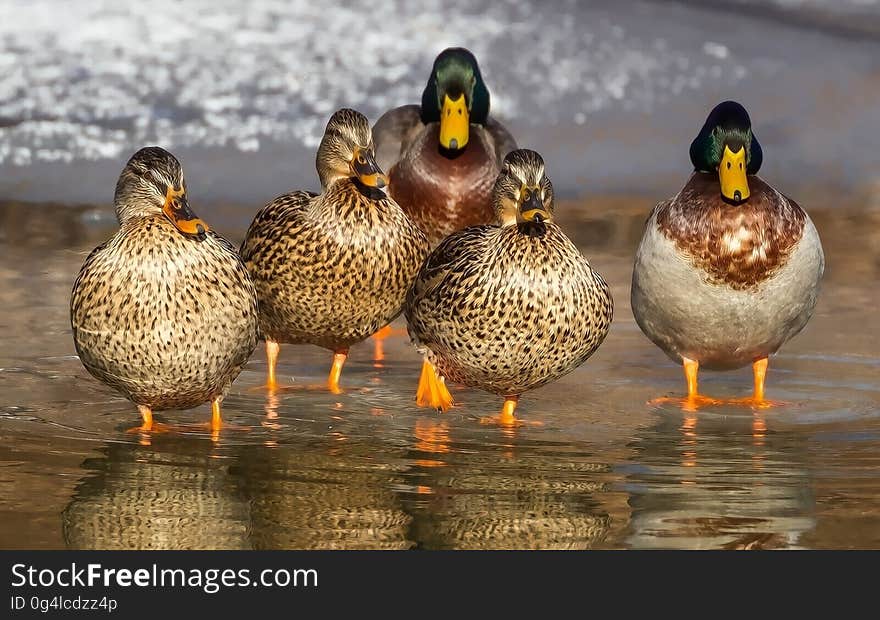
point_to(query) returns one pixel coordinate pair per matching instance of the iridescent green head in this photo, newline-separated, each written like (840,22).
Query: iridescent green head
(455,96)
(727,145)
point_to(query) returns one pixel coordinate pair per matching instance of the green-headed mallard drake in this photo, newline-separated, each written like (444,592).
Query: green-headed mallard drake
(442,157)
(164,312)
(332,268)
(728,269)
(507,308)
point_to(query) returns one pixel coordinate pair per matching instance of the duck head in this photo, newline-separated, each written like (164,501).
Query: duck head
(347,151)
(727,145)
(523,194)
(152,183)
(455,96)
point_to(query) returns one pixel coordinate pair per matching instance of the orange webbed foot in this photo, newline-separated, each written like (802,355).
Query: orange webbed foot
(155,428)
(195,427)
(507,418)
(273,388)
(504,422)
(150,426)
(432,391)
(692,402)
(756,403)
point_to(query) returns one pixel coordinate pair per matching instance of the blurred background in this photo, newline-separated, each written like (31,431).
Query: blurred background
(611,93)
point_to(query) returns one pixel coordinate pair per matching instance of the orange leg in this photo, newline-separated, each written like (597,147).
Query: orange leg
(217,423)
(757,400)
(149,425)
(336,370)
(694,399)
(379,348)
(508,411)
(507,418)
(272,350)
(147,416)
(691,370)
(216,419)
(432,390)
(428,387)
(759,368)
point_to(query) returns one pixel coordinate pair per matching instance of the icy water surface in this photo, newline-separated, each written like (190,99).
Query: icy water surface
(367,469)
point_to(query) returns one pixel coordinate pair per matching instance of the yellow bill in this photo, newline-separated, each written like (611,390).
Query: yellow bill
(732,173)
(454,123)
(177,210)
(366,169)
(532,207)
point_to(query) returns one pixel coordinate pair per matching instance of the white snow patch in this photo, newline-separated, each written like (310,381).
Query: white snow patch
(97,79)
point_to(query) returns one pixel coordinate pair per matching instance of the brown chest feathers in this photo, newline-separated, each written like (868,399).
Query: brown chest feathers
(443,194)
(740,246)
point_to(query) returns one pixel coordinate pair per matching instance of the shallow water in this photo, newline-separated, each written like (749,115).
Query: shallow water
(367,469)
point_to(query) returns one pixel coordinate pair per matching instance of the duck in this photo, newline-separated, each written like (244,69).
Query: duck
(443,156)
(507,307)
(332,268)
(729,269)
(164,312)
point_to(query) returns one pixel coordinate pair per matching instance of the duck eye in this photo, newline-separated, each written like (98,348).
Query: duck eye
(361,160)
(728,165)
(740,165)
(526,195)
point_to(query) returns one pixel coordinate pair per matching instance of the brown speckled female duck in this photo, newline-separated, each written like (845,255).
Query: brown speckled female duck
(442,157)
(507,308)
(728,270)
(333,268)
(165,311)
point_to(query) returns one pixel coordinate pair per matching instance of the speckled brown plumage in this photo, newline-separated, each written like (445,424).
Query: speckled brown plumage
(331,269)
(165,318)
(509,308)
(739,246)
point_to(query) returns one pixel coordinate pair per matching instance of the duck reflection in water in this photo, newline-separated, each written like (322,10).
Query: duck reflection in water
(172,494)
(327,494)
(719,482)
(509,496)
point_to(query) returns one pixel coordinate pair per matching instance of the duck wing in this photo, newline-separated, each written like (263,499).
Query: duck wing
(393,133)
